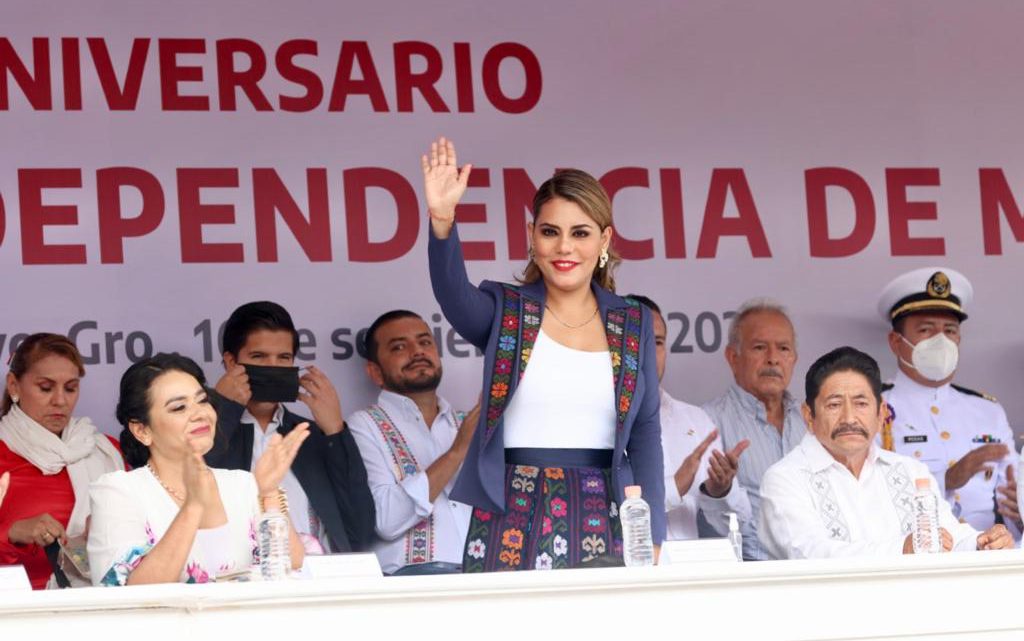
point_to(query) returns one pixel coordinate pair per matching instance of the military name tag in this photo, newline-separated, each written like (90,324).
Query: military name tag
(918,438)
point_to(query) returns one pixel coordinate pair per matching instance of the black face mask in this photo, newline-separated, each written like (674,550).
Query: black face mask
(273,384)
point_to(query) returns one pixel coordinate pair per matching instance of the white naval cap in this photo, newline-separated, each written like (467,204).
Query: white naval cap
(926,289)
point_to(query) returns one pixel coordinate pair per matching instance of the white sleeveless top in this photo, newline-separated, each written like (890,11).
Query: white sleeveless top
(566,399)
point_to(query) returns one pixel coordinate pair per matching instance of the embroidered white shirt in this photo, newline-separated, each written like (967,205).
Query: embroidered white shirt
(683,428)
(401,505)
(813,507)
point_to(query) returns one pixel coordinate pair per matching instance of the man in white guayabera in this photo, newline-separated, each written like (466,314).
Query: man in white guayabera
(962,436)
(840,495)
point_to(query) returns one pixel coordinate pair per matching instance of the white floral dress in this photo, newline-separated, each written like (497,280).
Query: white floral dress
(131,512)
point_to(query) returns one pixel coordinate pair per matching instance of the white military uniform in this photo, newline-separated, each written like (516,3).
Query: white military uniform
(938,426)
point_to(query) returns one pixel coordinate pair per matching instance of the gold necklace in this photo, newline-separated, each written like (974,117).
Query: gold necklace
(583,324)
(176,495)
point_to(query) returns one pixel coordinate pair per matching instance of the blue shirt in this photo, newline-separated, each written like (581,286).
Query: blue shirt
(739,415)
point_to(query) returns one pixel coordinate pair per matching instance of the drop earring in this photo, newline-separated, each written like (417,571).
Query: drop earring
(603,260)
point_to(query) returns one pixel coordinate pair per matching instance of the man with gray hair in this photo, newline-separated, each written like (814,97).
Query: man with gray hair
(757,407)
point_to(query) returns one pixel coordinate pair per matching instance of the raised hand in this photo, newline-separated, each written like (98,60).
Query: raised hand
(722,469)
(277,459)
(234,385)
(688,469)
(322,400)
(443,185)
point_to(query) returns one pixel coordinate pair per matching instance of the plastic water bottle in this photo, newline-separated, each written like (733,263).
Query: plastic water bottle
(275,560)
(925,535)
(635,515)
(735,538)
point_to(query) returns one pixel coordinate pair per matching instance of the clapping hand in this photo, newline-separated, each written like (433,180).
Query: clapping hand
(1008,505)
(277,459)
(200,485)
(688,469)
(722,470)
(443,185)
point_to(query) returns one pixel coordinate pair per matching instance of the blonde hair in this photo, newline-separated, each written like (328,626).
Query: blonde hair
(585,191)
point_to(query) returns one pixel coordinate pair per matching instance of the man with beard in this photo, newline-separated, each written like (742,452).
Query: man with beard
(413,444)
(840,495)
(757,407)
(325,492)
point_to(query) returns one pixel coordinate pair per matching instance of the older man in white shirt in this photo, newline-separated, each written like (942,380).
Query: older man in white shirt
(839,494)
(413,444)
(699,475)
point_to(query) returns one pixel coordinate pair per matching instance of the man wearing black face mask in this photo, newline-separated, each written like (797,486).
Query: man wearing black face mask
(962,436)
(328,499)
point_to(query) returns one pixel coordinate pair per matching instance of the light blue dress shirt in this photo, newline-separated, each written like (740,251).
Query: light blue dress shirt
(739,415)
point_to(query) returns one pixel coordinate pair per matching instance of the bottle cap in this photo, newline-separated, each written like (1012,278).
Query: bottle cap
(923,484)
(632,491)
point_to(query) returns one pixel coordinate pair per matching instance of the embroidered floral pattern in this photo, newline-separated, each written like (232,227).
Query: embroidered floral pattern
(568,520)
(623,330)
(196,573)
(119,571)
(419,539)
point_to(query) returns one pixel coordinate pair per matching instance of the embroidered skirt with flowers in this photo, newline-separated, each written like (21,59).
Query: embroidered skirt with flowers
(555,517)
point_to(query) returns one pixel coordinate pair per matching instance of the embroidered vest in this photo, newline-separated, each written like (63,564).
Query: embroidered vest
(520,324)
(419,539)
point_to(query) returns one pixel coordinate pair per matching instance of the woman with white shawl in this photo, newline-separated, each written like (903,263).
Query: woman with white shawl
(51,457)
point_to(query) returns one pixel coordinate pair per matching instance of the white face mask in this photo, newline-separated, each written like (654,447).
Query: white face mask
(934,358)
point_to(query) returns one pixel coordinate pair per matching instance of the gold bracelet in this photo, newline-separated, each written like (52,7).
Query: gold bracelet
(282,501)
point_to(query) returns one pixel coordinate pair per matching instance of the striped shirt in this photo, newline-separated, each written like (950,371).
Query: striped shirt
(739,415)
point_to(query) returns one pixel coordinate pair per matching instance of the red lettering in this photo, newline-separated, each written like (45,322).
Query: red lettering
(519,192)
(271,196)
(475,213)
(902,211)
(35,216)
(72,64)
(816,182)
(996,197)
(35,85)
(114,227)
(463,78)
(716,225)
(672,212)
(299,75)
(353,51)
(120,97)
(195,214)
(172,74)
(492,78)
(612,182)
(360,248)
(229,79)
(424,81)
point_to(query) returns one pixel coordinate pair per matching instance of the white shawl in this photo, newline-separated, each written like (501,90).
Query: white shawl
(85,452)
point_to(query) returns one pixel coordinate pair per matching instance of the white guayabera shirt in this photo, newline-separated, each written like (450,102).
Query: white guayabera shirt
(813,507)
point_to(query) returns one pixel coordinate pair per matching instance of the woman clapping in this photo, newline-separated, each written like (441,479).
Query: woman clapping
(173,518)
